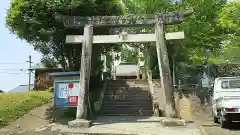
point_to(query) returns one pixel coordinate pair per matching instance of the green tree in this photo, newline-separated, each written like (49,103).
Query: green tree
(1,91)
(229,16)
(201,29)
(229,20)
(33,21)
(129,54)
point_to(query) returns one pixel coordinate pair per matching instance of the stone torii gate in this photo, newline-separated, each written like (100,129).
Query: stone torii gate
(159,20)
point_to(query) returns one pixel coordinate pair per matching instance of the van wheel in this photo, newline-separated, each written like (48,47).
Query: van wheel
(215,120)
(223,123)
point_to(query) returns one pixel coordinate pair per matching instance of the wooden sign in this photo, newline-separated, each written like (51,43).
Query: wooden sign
(76,39)
(122,21)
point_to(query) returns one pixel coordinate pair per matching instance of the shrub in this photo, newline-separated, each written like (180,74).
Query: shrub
(15,105)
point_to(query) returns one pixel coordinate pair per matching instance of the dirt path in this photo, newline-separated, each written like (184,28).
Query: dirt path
(36,119)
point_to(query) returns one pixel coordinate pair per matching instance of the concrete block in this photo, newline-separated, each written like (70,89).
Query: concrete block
(189,121)
(79,123)
(173,122)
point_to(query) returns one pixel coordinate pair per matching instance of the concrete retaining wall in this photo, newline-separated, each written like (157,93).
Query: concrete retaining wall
(193,105)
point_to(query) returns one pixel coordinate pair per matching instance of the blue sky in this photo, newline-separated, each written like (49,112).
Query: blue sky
(13,55)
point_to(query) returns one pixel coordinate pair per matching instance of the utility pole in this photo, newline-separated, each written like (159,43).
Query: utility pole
(30,72)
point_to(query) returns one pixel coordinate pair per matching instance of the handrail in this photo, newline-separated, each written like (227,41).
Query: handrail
(103,93)
(150,82)
(100,101)
(152,91)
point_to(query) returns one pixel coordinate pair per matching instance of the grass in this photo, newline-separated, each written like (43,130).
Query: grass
(15,105)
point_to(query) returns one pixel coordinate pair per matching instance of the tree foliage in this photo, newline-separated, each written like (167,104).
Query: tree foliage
(229,19)
(33,21)
(129,54)
(229,16)
(201,30)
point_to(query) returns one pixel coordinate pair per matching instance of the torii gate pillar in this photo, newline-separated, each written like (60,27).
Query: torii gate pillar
(164,71)
(85,70)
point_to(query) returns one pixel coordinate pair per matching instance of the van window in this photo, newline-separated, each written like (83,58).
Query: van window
(230,84)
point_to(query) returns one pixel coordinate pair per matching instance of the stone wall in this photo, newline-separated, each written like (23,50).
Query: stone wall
(193,105)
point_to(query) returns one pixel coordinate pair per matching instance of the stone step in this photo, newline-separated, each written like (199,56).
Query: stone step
(125,93)
(121,92)
(125,90)
(123,110)
(143,104)
(133,94)
(129,105)
(127,101)
(126,112)
(120,87)
(127,81)
(133,114)
(127,84)
(119,108)
(124,97)
(141,89)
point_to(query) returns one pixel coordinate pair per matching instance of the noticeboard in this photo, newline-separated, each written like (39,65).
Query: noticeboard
(66,93)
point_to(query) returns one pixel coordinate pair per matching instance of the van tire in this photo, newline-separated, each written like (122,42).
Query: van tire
(223,123)
(215,120)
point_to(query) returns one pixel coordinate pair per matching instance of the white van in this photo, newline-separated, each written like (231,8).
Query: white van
(226,100)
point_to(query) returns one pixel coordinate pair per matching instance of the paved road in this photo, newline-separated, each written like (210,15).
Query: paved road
(37,122)
(215,129)
(204,118)
(117,125)
(134,125)
(39,118)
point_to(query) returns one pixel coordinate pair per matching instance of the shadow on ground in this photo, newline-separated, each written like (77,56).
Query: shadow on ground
(103,120)
(60,116)
(63,116)
(232,126)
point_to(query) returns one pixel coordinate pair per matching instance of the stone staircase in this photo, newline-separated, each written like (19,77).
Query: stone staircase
(127,97)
